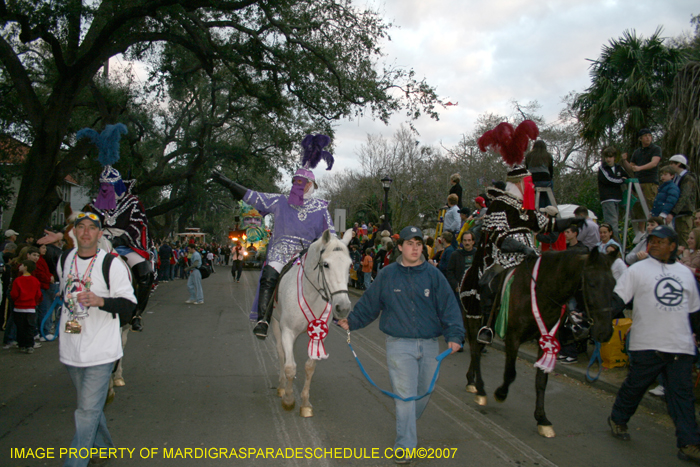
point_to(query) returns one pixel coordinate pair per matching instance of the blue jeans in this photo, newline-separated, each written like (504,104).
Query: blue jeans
(44,306)
(544,198)
(91,384)
(645,366)
(368,279)
(412,364)
(194,284)
(611,213)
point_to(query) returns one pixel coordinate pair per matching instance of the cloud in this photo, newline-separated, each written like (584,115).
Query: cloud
(484,54)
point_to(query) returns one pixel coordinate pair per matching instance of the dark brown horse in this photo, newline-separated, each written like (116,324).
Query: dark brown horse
(561,276)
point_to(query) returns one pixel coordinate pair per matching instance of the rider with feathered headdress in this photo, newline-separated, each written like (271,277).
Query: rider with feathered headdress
(507,231)
(122,213)
(299,220)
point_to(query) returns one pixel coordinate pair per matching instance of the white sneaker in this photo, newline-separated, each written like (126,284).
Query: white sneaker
(199,303)
(638,237)
(9,345)
(49,337)
(37,345)
(189,301)
(658,391)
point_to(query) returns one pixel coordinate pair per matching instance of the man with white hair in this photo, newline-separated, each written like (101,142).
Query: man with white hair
(682,213)
(10,237)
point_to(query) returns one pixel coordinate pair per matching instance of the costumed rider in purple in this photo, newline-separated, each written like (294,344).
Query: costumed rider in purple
(299,220)
(122,214)
(507,231)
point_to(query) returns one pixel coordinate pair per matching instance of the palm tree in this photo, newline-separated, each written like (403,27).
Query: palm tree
(631,87)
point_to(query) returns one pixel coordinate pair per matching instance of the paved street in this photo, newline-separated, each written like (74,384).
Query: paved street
(198,378)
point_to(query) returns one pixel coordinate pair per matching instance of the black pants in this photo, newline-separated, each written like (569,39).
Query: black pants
(25,329)
(236,270)
(645,366)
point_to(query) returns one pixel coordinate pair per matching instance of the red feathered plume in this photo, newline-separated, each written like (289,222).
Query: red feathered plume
(508,142)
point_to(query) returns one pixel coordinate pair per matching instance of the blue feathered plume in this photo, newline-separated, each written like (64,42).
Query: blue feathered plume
(313,151)
(107,142)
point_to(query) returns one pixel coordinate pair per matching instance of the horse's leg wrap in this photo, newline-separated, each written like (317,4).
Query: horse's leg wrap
(268,282)
(144,280)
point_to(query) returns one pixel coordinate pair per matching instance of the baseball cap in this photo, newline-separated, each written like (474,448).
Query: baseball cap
(643,131)
(680,158)
(92,217)
(466,211)
(10,232)
(410,232)
(663,231)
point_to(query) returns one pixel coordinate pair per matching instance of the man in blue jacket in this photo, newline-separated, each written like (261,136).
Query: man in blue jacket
(417,306)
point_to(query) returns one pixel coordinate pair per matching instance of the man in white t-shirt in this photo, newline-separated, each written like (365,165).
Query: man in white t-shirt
(661,339)
(90,340)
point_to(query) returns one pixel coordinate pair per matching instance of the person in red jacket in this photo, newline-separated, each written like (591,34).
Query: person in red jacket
(26,295)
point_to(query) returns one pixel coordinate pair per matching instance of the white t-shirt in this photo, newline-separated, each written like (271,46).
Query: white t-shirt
(99,341)
(618,268)
(664,295)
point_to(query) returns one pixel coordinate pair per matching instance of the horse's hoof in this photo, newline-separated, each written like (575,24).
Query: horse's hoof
(481,400)
(306,412)
(110,397)
(471,388)
(546,430)
(280,392)
(289,406)
(498,398)
(119,382)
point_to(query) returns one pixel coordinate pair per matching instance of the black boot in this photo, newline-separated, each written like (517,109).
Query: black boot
(268,282)
(144,280)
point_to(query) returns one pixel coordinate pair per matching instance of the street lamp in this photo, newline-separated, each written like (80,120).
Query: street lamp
(386,183)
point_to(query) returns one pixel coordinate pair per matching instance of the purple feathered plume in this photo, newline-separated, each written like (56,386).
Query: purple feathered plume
(313,151)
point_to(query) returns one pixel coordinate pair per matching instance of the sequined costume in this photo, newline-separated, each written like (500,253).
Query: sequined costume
(127,220)
(295,226)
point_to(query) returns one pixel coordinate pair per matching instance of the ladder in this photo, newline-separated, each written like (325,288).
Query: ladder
(550,196)
(441,221)
(633,184)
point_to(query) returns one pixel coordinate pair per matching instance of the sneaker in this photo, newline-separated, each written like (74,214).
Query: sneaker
(37,337)
(404,459)
(37,345)
(638,237)
(690,453)
(658,391)
(9,345)
(620,431)
(189,301)
(566,360)
(201,302)
(28,350)
(49,337)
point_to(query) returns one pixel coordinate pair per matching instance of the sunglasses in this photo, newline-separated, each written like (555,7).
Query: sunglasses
(89,215)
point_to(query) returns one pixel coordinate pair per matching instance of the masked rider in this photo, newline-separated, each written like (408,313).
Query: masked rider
(298,220)
(507,230)
(123,215)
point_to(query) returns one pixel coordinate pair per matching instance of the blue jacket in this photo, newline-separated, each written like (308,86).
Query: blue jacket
(666,199)
(415,302)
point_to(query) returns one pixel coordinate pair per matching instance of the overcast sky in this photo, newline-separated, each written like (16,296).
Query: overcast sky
(484,54)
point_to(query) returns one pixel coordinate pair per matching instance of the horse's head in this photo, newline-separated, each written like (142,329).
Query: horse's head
(598,285)
(333,262)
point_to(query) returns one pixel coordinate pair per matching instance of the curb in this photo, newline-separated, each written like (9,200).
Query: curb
(650,402)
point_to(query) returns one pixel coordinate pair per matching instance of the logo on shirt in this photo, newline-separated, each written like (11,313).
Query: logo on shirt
(427,292)
(669,292)
(397,290)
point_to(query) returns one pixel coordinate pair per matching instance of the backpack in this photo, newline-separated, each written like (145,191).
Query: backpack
(125,316)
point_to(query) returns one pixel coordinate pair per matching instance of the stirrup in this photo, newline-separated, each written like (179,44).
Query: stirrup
(485,336)
(260,329)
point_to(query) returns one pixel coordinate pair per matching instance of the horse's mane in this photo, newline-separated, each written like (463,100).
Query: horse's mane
(595,257)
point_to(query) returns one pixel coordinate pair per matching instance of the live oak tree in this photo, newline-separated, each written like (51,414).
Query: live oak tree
(315,59)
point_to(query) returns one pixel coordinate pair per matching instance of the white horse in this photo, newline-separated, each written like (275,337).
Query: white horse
(323,281)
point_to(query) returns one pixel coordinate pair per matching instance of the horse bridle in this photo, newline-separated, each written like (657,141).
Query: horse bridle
(589,318)
(324,291)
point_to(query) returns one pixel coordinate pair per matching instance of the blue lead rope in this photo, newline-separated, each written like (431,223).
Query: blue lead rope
(439,359)
(595,358)
(57,302)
